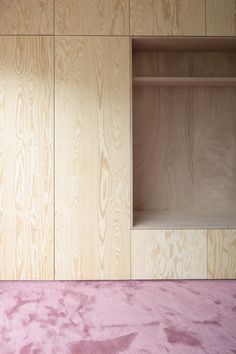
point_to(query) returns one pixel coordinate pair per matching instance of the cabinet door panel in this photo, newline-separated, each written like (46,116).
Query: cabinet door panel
(26,17)
(167,17)
(222,254)
(169,254)
(92,158)
(92,17)
(26,157)
(221,17)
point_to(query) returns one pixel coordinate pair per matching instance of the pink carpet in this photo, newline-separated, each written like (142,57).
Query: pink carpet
(136,317)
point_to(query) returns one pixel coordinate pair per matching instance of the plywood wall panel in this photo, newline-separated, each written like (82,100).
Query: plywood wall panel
(168,254)
(92,17)
(92,158)
(26,156)
(167,17)
(221,17)
(222,254)
(26,17)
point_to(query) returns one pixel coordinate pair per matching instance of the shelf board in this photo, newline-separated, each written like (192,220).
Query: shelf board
(153,220)
(184,81)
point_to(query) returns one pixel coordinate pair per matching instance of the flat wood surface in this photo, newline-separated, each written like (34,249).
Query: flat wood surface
(221,17)
(26,157)
(184,150)
(222,254)
(157,220)
(167,17)
(92,17)
(209,66)
(92,158)
(184,81)
(169,254)
(26,17)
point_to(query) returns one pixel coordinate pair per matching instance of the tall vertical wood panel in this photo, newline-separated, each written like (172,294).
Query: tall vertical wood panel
(221,17)
(92,158)
(167,17)
(169,254)
(222,254)
(26,16)
(26,158)
(92,17)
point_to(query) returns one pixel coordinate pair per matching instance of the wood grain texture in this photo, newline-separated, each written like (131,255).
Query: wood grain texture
(26,17)
(184,149)
(92,158)
(181,63)
(92,17)
(167,17)
(26,156)
(221,17)
(222,254)
(168,254)
(26,254)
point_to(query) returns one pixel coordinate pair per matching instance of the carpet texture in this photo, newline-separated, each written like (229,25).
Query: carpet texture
(135,317)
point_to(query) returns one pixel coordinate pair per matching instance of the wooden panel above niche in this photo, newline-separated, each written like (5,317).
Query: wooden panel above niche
(167,17)
(221,17)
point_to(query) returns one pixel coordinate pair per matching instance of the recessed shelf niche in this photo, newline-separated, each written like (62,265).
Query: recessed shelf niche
(184,132)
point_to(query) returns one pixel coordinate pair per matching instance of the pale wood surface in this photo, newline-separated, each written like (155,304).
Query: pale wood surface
(26,254)
(221,17)
(184,150)
(222,254)
(157,220)
(26,16)
(184,81)
(26,157)
(167,17)
(168,254)
(92,17)
(92,158)
(196,64)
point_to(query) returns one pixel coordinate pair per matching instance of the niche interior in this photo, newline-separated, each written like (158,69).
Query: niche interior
(184,132)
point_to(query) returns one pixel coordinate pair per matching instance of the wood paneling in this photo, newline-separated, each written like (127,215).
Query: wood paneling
(26,254)
(221,17)
(26,17)
(222,254)
(168,254)
(92,158)
(92,17)
(167,17)
(26,157)
(180,64)
(184,151)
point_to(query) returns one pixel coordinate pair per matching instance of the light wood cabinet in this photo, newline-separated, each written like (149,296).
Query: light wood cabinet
(222,254)
(221,17)
(26,158)
(92,17)
(92,158)
(143,182)
(167,17)
(26,17)
(169,254)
